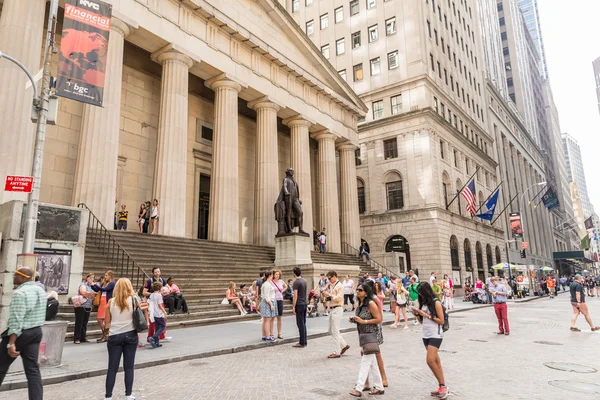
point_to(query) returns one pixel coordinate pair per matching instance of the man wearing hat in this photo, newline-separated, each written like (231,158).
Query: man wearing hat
(578,304)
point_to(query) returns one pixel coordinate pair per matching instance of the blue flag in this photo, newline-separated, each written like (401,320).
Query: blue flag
(491,206)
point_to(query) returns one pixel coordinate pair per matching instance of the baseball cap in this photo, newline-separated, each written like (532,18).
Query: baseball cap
(577,275)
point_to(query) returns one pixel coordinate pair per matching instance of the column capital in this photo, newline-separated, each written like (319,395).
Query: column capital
(223,81)
(324,135)
(297,120)
(264,102)
(347,146)
(121,27)
(171,53)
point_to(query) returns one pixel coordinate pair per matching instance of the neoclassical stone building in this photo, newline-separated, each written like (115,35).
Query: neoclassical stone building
(205,105)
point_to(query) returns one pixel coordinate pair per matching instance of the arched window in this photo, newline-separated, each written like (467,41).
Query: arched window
(393,188)
(362,205)
(454,253)
(446,189)
(468,258)
(498,258)
(479,256)
(399,244)
(488,254)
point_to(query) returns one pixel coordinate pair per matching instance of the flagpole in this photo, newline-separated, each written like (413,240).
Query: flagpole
(535,197)
(464,186)
(504,209)
(491,194)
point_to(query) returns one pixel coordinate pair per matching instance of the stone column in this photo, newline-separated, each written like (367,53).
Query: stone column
(300,160)
(329,212)
(97,159)
(224,208)
(21,35)
(349,196)
(267,172)
(171,153)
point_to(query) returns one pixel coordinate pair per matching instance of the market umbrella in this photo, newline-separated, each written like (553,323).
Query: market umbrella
(546,269)
(504,266)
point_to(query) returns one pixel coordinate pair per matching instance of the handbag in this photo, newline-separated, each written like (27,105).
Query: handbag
(139,320)
(78,300)
(96,301)
(369,343)
(225,301)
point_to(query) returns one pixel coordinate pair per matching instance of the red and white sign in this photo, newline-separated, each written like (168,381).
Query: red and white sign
(524,245)
(18,184)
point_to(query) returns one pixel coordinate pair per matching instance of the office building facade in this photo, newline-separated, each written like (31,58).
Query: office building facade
(576,172)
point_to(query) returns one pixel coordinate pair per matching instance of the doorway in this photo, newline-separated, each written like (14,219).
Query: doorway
(203,204)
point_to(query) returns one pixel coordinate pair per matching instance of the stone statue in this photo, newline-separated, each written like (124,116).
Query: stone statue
(288,207)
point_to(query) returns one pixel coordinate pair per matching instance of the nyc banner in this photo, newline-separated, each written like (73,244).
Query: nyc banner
(83,51)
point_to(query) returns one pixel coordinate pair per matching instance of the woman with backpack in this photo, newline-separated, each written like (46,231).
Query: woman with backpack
(431,314)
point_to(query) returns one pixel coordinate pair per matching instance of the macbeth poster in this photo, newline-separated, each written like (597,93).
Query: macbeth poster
(83,51)
(54,269)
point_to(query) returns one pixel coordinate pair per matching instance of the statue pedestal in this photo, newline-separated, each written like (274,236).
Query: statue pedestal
(292,250)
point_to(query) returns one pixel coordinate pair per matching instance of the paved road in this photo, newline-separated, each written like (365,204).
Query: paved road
(478,364)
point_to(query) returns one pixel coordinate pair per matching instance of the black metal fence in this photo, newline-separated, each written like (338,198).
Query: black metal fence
(348,249)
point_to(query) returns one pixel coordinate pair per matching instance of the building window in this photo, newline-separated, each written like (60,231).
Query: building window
(362,204)
(339,14)
(435,104)
(356,40)
(375,66)
(354,7)
(435,35)
(443,110)
(357,71)
(442,149)
(373,35)
(342,74)
(371,4)
(479,256)
(501,21)
(340,46)
(390,26)
(325,51)
(455,158)
(390,148)
(393,60)
(308,2)
(295,6)
(454,253)
(429,28)
(468,258)
(310,27)
(378,109)
(432,62)
(396,104)
(395,196)
(324,21)
(207,133)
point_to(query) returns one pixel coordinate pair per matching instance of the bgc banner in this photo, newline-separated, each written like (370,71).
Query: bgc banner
(83,51)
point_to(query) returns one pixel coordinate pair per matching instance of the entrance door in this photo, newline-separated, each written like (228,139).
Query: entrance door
(204,199)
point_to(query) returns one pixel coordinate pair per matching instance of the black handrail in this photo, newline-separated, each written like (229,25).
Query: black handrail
(119,260)
(349,249)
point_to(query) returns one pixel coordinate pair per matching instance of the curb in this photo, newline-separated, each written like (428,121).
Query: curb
(22,384)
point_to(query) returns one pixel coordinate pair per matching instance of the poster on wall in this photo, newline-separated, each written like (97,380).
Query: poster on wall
(470,276)
(515,225)
(83,51)
(456,278)
(54,269)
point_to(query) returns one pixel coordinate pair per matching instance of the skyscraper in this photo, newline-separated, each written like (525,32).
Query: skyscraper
(575,171)
(596,66)
(531,14)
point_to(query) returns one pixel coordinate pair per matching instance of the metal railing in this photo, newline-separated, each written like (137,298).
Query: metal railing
(118,259)
(348,249)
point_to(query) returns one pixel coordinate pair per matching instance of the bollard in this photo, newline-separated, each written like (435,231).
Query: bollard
(53,340)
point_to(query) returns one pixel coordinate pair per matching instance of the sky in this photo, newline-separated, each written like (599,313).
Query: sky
(571,33)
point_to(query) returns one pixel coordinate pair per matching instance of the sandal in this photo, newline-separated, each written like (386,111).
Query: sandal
(279,337)
(575,329)
(596,328)
(367,389)
(333,355)
(77,342)
(355,393)
(376,392)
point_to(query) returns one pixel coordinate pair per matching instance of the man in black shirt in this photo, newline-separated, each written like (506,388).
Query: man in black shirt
(300,305)
(578,303)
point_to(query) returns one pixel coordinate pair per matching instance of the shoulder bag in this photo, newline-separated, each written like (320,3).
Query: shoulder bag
(139,320)
(369,343)
(78,300)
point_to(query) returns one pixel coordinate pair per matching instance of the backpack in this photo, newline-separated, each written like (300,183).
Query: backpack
(446,325)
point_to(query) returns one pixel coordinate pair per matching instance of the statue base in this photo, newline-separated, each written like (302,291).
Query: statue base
(292,250)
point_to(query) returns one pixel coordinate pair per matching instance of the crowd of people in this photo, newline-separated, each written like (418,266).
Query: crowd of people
(147,217)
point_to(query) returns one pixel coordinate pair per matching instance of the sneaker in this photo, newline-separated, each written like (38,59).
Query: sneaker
(167,338)
(151,341)
(129,398)
(394,326)
(443,392)
(405,327)
(416,322)
(141,345)
(270,339)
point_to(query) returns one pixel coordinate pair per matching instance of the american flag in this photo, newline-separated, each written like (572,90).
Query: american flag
(469,194)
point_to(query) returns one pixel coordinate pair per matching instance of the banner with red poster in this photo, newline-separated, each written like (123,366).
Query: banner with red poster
(83,51)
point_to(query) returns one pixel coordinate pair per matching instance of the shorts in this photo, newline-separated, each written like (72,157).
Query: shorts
(401,305)
(155,217)
(583,308)
(142,221)
(435,342)
(279,308)
(122,225)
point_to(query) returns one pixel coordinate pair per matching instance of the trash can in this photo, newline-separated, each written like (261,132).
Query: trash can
(53,340)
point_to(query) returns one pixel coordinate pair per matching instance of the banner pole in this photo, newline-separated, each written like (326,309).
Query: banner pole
(464,186)
(491,194)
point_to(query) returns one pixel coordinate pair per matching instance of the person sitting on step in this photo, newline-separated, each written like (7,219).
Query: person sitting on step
(176,293)
(233,298)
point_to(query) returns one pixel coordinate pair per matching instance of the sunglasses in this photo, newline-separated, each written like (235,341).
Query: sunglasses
(360,290)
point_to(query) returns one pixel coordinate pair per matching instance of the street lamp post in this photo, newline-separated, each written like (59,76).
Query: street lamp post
(523,229)
(40,105)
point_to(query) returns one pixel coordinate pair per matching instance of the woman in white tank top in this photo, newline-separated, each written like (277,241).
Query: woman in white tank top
(122,337)
(154,216)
